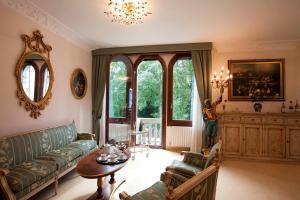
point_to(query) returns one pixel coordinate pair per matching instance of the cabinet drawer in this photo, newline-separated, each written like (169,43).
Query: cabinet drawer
(274,120)
(252,120)
(293,121)
(231,119)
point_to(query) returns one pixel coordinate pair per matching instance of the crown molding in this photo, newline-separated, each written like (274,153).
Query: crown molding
(236,46)
(41,17)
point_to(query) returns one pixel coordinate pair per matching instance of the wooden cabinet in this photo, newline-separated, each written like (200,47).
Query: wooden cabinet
(270,136)
(252,140)
(274,141)
(293,142)
(232,138)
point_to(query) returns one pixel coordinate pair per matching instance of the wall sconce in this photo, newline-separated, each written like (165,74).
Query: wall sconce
(221,80)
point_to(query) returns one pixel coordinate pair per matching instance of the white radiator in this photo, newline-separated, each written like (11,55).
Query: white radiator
(118,132)
(179,136)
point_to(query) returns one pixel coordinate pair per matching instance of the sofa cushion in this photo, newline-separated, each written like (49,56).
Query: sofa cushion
(156,191)
(18,149)
(84,145)
(28,173)
(62,135)
(62,156)
(34,186)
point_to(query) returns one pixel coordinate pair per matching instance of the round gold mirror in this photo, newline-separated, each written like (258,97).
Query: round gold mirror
(34,74)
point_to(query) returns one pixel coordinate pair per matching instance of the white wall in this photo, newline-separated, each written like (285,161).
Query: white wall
(65,57)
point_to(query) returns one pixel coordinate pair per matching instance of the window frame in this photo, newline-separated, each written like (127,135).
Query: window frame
(170,120)
(129,65)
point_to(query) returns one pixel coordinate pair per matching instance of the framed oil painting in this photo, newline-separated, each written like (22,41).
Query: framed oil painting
(78,83)
(256,80)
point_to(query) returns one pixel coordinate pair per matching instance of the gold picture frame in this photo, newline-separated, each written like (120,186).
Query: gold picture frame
(78,83)
(263,75)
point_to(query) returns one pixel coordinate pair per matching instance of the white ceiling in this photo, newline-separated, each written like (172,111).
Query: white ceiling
(182,21)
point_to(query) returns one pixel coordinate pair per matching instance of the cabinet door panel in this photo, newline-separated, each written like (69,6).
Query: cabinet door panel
(274,144)
(293,142)
(232,139)
(252,140)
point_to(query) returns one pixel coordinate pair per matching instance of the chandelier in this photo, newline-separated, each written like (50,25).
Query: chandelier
(127,11)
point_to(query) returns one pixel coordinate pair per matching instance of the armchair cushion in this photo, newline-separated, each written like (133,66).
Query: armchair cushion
(157,191)
(183,168)
(193,158)
(212,154)
(172,180)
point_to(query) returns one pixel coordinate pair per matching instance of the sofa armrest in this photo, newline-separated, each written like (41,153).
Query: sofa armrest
(194,158)
(85,136)
(9,195)
(124,196)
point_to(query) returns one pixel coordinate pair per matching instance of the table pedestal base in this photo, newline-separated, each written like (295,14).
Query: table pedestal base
(106,187)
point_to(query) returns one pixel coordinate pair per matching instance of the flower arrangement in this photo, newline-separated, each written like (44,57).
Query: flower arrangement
(257,95)
(260,90)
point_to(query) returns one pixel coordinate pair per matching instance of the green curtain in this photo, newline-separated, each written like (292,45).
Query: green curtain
(202,68)
(99,65)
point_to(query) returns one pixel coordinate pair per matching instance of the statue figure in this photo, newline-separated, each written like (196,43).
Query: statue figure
(210,119)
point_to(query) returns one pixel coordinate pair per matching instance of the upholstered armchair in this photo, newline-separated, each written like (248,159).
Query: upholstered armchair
(194,162)
(199,187)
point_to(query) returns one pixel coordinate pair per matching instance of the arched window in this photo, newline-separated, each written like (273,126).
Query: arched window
(180,93)
(118,88)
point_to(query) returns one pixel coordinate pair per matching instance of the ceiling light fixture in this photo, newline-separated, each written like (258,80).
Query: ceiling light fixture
(127,12)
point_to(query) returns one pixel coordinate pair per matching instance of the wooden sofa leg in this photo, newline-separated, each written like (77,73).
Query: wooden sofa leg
(56,185)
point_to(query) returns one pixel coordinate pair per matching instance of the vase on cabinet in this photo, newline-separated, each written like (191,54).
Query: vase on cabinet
(257,106)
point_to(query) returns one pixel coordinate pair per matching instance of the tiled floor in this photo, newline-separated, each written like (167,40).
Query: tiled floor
(237,179)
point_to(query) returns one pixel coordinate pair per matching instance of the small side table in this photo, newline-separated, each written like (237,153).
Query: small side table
(144,146)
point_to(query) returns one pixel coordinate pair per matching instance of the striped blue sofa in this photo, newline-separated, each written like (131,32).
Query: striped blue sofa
(29,162)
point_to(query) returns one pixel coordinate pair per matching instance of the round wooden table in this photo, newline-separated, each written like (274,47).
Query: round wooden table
(88,167)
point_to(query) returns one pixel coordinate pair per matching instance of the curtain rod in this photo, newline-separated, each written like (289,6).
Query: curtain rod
(167,48)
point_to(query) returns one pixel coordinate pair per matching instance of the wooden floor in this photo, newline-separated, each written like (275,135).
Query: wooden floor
(238,180)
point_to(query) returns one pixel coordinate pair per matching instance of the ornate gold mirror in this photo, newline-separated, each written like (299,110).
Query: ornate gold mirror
(34,74)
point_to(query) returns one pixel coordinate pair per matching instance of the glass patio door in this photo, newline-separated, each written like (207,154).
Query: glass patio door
(149,97)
